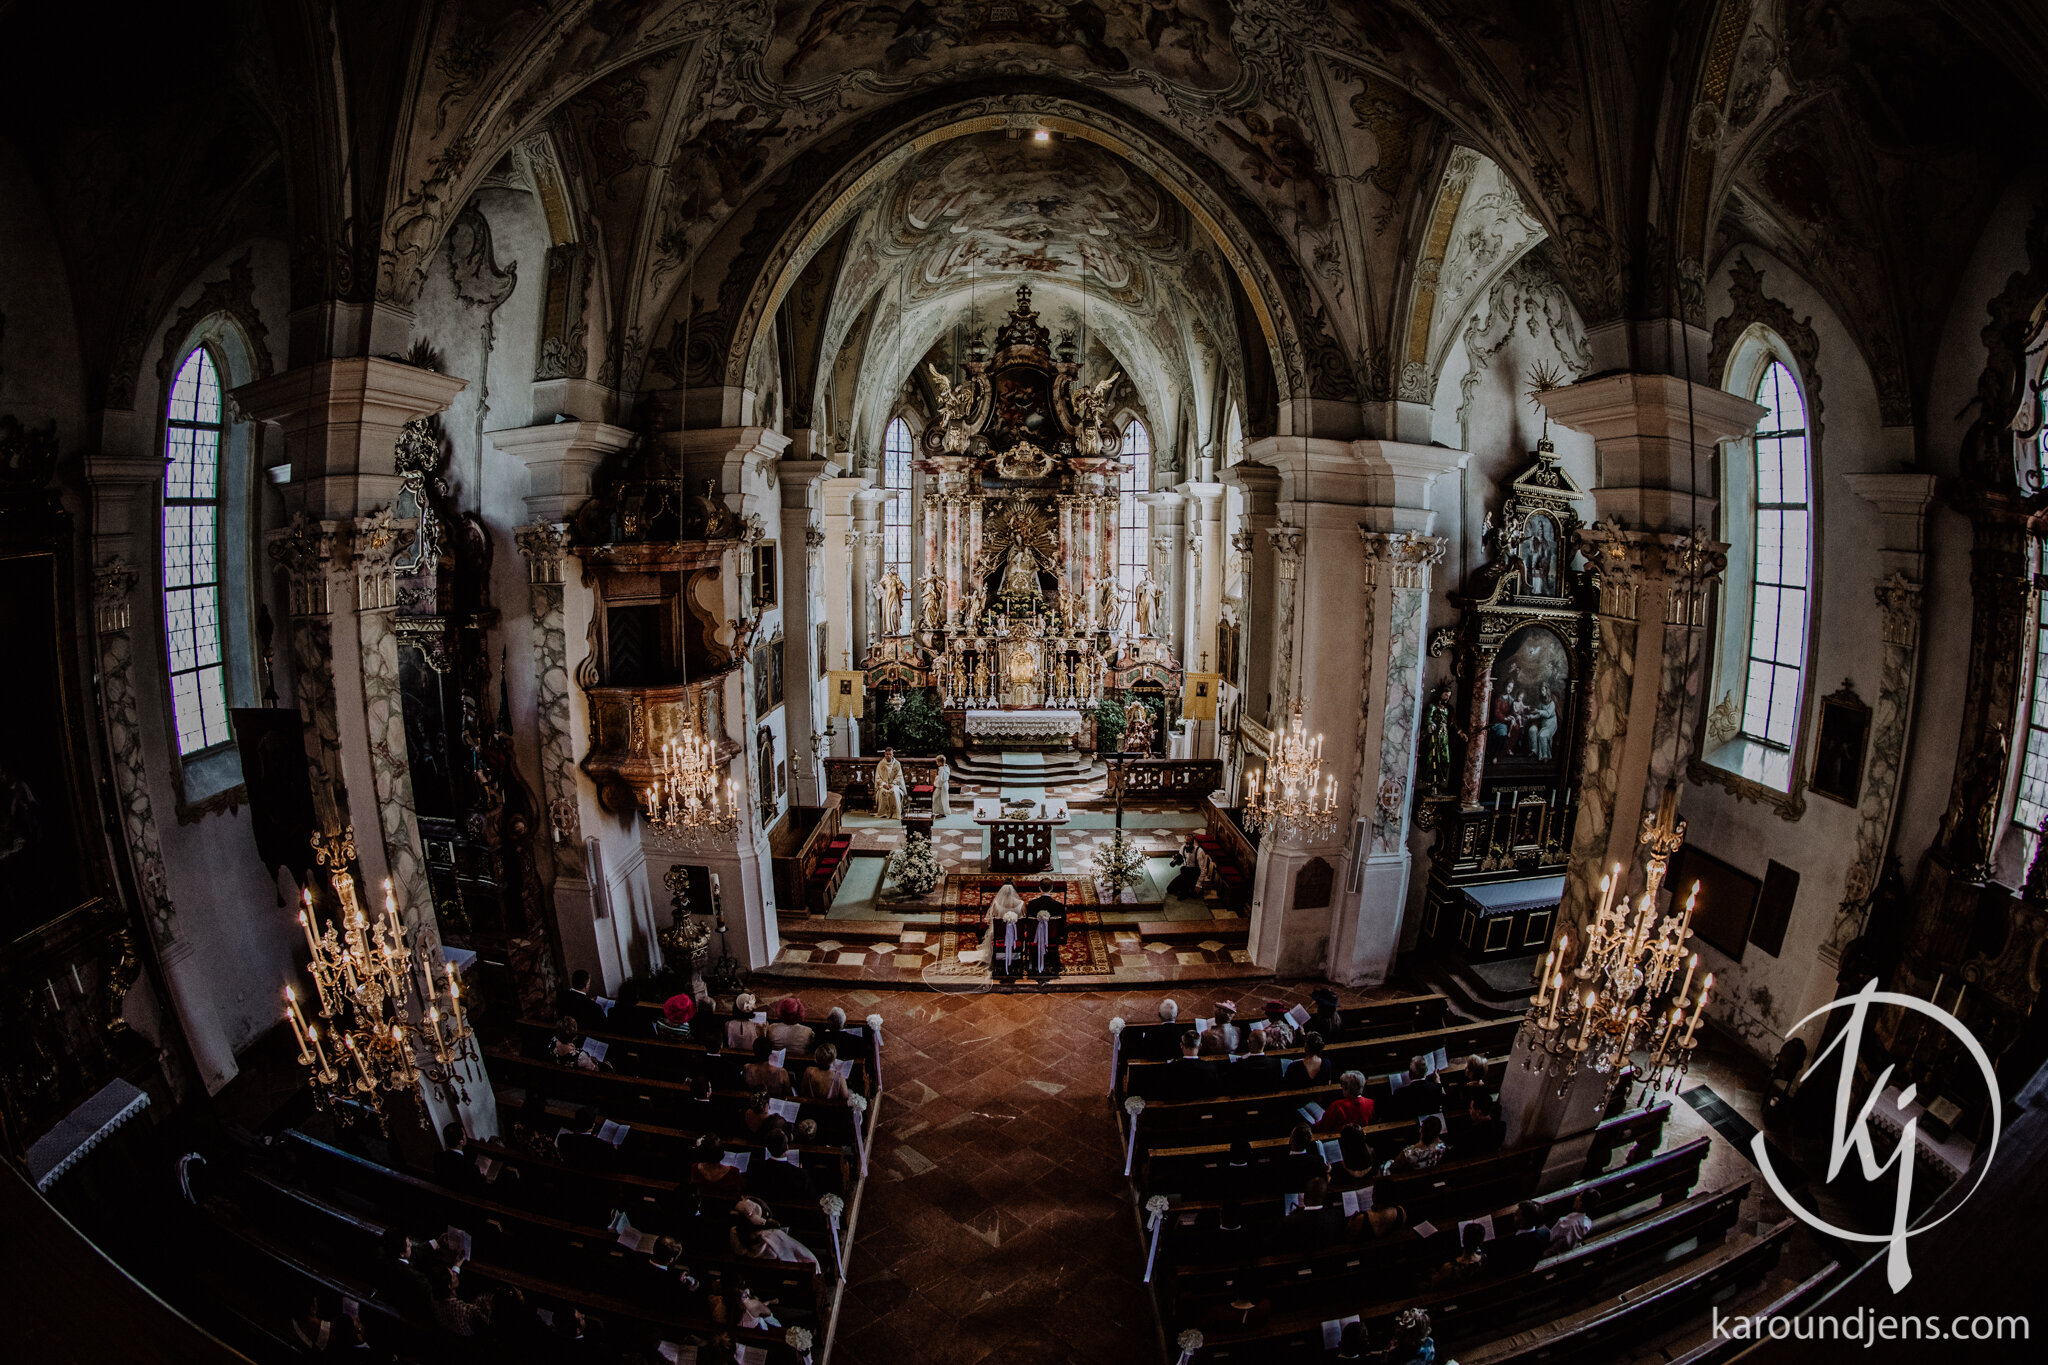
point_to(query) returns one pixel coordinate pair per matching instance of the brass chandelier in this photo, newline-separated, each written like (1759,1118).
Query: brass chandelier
(1598,1014)
(688,798)
(1288,800)
(381,1028)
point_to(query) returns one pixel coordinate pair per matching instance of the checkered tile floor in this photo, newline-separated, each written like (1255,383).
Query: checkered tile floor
(913,950)
(960,850)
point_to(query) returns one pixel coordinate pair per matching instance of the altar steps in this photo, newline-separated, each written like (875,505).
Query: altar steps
(986,766)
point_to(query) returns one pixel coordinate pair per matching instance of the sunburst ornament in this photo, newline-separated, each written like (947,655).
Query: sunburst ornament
(1544,376)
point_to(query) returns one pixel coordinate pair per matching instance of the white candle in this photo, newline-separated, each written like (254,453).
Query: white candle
(313,1037)
(79,986)
(1689,969)
(1556,994)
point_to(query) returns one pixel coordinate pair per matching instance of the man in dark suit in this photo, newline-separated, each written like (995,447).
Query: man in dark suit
(772,1177)
(1423,1094)
(1512,1253)
(1316,1222)
(455,1165)
(400,1281)
(1484,1132)
(1188,1076)
(1254,1073)
(581,1148)
(578,1003)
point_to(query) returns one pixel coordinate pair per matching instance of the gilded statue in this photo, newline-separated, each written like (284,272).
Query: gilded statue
(934,596)
(1148,599)
(1020,572)
(1108,603)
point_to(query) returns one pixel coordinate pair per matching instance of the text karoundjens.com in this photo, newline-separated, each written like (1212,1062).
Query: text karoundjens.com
(1871,1328)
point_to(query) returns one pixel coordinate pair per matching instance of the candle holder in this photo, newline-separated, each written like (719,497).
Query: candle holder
(381,1026)
(1598,1014)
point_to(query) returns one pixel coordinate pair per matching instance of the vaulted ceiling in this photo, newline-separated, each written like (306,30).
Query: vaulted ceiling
(709,149)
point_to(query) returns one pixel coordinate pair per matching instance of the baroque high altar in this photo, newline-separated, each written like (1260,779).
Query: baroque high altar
(1020,605)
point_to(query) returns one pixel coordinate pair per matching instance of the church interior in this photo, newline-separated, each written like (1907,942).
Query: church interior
(801,682)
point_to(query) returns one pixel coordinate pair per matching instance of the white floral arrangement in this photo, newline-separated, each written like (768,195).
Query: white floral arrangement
(858,1103)
(1116,1025)
(832,1204)
(1157,1205)
(914,868)
(1190,1341)
(797,1339)
(1135,1105)
(1119,864)
(874,1021)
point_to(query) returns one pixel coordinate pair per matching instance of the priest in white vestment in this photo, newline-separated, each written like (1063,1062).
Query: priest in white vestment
(942,782)
(889,786)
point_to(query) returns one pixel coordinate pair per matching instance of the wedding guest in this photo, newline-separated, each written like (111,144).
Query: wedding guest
(820,1081)
(400,1281)
(1412,1344)
(1423,1094)
(1485,1132)
(705,1025)
(1576,1226)
(763,1074)
(578,1003)
(755,1233)
(1350,1107)
(1325,1018)
(1311,1068)
(1213,1047)
(1225,1026)
(1316,1222)
(1159,1044)
(565,1047)
(708,1172)
(1354,1155)
(788,1031)
(455,1163)
(758,1119)
(772,1177)
(582,1148)
(1425,1152)
(741,1030)
(1470,1082)
(1255,1073)
(1279,1033)
(1189,1077)
(1527,1244)
(674,1025)
(1303,1162)
(452,1313)
(833,1030)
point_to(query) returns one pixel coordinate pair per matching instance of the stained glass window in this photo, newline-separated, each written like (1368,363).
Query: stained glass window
(1134,518)
(192,626)
(1783,567)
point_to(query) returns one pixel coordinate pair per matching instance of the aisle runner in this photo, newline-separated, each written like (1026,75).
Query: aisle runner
(963,919)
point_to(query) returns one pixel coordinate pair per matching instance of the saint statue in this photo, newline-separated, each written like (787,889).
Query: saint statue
(893,592)
(889,786)
(1149,599)
(934,602)
(1137,727)
(1020,572)
(1436,744)
(971,610)
(1108,603)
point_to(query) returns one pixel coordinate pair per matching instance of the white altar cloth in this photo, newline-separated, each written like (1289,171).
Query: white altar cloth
(1049,725)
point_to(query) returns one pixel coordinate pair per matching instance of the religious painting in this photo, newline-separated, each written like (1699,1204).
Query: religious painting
(764,682)
(765,587)
(1838,746)
(41,872)
(1727,902)
(1540,555)
(1530,708)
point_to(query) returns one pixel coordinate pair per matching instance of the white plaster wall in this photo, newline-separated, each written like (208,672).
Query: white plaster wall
(1759,998)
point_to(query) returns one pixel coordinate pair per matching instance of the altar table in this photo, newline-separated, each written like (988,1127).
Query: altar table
(1025,726)
(1020,843)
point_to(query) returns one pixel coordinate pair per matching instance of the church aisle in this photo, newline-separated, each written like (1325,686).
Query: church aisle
(994,1226)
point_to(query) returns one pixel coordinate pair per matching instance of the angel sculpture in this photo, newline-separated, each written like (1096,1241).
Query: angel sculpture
(953,403)
(1091,410)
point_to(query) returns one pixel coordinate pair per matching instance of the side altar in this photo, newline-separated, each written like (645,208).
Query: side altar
(1020,610)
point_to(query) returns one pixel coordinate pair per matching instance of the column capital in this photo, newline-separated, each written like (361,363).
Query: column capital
(1898,601)
(310,552)
(341,421)
(560,458)
(113,580)
(544,543)
(801,480)
(375,544)
(1628,560)
(1901,502)
(1407,556)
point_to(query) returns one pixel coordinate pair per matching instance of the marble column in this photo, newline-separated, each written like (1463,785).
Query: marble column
(802,484)
(378,542)
(1203,599)
(836,560)
(1657,568)
(1335,618)
(1261,489)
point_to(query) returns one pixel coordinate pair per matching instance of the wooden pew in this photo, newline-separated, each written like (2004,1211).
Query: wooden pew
(797,844)
(1408,1014)
(1606,1330)
(1174,1170)
(1375,1057)
(658,1058)
(1475,1310)
(1667,1178)
(665,1103)
(510,1237)
(856,1043)
(299,1215)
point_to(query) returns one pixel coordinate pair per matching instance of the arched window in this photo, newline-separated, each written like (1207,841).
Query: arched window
(896,453)
(193,435)
(1133,517)
(1781,573)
